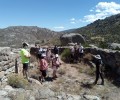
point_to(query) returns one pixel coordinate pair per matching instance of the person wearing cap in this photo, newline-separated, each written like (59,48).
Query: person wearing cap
(55,65)
(98,62)
(25,57)
(43,66)
(81,51)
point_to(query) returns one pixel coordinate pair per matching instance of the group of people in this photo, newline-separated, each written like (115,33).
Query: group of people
(45,57)
(76,53)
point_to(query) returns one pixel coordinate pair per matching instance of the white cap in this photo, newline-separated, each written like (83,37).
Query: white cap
(43,55)
(56,55)
(97,56)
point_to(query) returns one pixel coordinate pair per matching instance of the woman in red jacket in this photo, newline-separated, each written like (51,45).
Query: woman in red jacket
(43,65)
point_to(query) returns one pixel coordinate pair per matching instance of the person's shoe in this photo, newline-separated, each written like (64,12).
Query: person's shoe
(54,77)
(43,80)
(102,83)
(95,83)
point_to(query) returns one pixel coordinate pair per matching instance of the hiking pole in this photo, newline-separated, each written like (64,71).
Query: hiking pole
(16,66)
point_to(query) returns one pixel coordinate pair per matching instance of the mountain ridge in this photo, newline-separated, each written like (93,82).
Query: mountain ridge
(108,28)
(15,35)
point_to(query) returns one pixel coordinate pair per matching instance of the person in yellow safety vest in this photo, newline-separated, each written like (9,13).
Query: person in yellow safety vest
(25,57)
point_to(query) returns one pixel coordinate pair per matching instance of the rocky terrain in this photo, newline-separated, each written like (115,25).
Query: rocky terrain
(74,82)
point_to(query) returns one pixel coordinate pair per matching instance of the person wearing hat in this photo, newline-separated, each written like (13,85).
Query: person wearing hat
(43,66)
(25,57)
(81,51)
(98,62)
(55,65)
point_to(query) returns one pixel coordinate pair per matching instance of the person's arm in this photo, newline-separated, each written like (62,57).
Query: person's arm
(60,61)
(27,55)
(38,61)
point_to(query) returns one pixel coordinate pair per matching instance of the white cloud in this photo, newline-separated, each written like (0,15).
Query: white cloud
(72,19)
(72,22)
(59,27)
(91,10)
(101,11)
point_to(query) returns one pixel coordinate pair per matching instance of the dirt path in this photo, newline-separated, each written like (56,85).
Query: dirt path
(77,79)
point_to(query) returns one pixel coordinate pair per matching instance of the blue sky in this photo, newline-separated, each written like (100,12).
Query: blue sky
(56,15)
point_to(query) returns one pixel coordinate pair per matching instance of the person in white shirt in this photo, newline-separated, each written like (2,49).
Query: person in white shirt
(81,51)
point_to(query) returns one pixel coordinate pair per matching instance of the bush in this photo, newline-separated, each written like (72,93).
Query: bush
(17,81)
(86,45)
(103,45)
(65,54)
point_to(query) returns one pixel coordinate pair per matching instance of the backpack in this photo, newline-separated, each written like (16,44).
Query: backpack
(56,62)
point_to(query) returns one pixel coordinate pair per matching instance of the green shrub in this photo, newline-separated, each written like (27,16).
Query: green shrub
(17,81)
(65,54)
(103,45)
(86,44)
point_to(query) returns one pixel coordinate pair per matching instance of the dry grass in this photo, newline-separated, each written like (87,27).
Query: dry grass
(62,71)
(17,81)
(55,88)
(88,56)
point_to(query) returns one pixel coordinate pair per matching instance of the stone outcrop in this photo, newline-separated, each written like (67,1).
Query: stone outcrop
(7,63)
(110,58)
(114,46)
(72,38)
(6,58)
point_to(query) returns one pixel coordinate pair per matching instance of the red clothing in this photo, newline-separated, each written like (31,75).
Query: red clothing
(43,64)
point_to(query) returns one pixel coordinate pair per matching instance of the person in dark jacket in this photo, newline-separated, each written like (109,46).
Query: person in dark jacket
(98,62)
(56,50)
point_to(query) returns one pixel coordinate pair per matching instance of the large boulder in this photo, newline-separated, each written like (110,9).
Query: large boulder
(72,38)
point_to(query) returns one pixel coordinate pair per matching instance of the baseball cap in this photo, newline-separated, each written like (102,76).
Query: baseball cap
(25,44)
(97,56)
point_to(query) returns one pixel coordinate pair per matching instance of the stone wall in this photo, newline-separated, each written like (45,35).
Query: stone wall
(7,62)
(110,58)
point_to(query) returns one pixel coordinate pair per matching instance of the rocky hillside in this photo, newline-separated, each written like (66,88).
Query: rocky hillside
(108,28)
(15,35)
(74,82)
